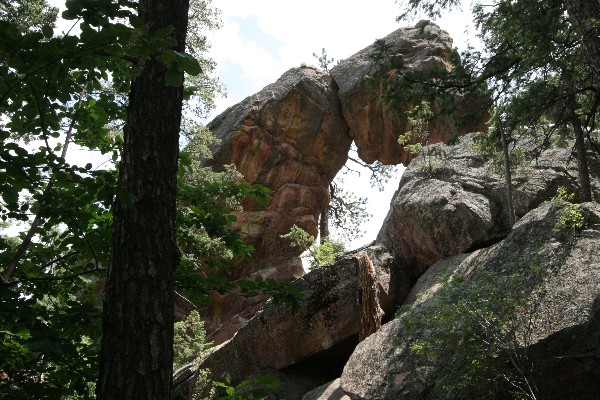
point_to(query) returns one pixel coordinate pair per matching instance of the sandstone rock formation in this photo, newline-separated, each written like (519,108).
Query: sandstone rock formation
(423,47)
(467,232)
(564,300)
(293,137)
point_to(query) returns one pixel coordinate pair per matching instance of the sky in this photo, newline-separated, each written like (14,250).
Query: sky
(261,39)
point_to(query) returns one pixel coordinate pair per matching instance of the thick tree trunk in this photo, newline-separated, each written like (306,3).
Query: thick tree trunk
(137,343)
(585,15)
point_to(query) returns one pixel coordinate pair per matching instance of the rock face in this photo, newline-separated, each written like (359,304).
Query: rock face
(461,203)
(452,217)
(292,138)
(278,336)
(561,302)
(447,223)
(423,47)
(329,391)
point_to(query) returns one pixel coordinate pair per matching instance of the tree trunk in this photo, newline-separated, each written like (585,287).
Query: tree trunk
(324,225)
(572,106)
(584,175)
(370,312)
(136,359)
(507,179)
(324,217)
(585,15)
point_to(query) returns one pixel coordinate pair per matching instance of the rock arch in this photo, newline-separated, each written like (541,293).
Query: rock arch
(294,136)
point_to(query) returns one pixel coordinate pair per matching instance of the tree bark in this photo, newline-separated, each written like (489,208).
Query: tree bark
(580,145)
(324,217)
(580,151)
(370,311)
(136,359)
(324,225)
(507,179)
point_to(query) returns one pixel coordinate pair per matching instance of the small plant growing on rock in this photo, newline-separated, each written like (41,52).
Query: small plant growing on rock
(323,59)
(571,218)
(319,255)
(416,140)
(190,347)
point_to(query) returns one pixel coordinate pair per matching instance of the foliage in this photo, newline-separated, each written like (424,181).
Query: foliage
(489,146)
(325,253)
(190,347)
(416,139)
(57,94)
(209,245)
(346,211)
(190,340)
(533,66)
(32,15)
(299,238)
(203,88)
(449,92)
(571,217)
(248,389)
(319,255)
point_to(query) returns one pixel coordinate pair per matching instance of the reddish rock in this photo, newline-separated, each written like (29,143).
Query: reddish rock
(422,48)
(278,336)
(292,138)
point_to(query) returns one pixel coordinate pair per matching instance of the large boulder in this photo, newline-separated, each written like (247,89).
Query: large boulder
(459,202)
(324,328)
(553,279)
(292,138)
(422,48)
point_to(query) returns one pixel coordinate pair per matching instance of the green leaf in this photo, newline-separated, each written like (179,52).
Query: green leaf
(10,195)
(48,31)
(173,77)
